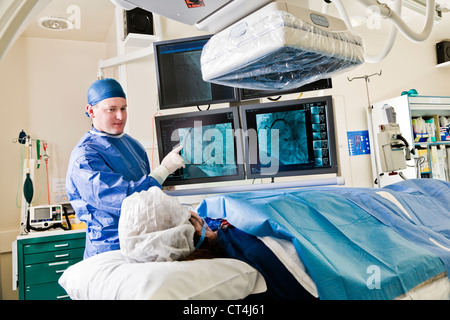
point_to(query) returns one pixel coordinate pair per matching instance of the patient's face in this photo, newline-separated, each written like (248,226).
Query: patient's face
(197,222)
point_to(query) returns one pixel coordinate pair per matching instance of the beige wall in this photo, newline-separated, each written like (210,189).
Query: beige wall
(43,86)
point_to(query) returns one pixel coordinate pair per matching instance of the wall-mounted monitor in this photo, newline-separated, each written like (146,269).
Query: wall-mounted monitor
(248,94)
(289,138)
(212,148)
(179,75)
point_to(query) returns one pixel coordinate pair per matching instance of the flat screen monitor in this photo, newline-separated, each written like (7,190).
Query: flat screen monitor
(248,94)
(289,138)
(179,75)
(212,148)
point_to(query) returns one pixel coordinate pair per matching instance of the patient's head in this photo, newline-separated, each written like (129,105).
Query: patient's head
(155,227)
(210,236)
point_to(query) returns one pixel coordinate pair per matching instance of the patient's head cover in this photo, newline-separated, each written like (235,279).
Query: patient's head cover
(155,227)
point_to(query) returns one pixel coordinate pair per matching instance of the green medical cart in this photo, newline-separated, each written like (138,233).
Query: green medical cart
(42,258)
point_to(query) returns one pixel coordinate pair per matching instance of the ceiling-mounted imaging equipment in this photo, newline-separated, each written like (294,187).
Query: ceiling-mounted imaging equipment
(420,6)
(280,46)
(330,45)
(207,15)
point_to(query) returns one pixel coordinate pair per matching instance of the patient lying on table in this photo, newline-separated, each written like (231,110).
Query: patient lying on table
(156,227)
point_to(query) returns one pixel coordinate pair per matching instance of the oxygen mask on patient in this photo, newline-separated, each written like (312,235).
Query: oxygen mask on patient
(155,227)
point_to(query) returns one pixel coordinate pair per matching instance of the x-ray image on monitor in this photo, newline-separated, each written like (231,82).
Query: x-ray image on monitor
(291,146)
(189,82)
(179,75)
(212,150)
(289,138)
(207,151)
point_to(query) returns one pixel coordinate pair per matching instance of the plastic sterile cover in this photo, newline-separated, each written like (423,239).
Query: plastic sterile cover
(154,227)
(277,50)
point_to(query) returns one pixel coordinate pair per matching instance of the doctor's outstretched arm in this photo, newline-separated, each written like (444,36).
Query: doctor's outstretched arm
(172,162)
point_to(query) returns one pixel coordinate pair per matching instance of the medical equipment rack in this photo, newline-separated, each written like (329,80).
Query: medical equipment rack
(408,107)
(40,258)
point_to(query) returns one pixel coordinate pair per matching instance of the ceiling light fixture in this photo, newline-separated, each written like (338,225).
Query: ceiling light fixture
(55,23)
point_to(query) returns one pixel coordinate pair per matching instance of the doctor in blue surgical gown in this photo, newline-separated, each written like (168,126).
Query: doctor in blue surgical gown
(107,165)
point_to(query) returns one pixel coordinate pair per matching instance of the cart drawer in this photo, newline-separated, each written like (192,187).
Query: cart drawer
(46,272)
(46,291)
(53,246)
(53,256)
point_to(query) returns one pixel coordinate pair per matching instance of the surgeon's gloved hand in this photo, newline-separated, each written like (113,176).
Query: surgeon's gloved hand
(170,164)
(173,161)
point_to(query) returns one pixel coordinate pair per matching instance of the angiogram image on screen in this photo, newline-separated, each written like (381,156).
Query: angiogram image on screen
(208,151)
(189,82)
(291,145)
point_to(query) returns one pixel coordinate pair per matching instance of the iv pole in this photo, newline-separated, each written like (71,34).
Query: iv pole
(369,112)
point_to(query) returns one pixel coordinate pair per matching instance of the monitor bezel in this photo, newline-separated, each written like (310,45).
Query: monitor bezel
(333,169)
(239,158)
(162,106)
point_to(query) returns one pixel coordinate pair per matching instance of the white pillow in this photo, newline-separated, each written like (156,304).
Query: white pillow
(109,276)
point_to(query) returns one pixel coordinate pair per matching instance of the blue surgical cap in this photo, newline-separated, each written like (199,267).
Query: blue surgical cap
(104,89)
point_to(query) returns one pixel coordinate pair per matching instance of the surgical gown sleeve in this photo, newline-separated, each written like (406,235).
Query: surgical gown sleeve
(102,172)
(103,188)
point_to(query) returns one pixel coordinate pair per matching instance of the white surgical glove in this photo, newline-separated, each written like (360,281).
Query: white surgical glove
(172,162)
